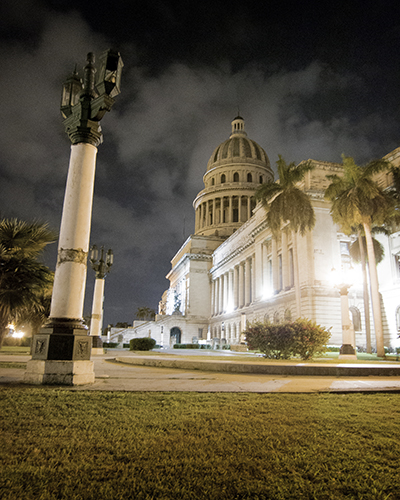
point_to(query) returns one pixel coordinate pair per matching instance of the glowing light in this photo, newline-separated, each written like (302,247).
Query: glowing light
(267,292)
(230,307)
(18,334)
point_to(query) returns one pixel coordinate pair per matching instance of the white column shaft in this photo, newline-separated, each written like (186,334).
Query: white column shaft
(96,321)
(70,276)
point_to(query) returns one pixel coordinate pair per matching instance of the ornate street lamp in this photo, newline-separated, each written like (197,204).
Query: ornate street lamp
(343,281)
(101,266)
(61,351)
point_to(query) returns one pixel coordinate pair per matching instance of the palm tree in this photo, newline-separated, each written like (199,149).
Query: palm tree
(358,254)
(287,204)
(145,313)
(358,200)
(24,282)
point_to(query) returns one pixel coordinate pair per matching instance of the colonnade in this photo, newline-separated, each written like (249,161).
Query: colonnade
(266,272)
(223,210)
(234,289)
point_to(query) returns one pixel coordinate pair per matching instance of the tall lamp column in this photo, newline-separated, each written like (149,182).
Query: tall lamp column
(101,266)
(61,351)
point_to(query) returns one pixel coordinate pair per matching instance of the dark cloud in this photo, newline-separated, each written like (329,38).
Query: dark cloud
(187,73)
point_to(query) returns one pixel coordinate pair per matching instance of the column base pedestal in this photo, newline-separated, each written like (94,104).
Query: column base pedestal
(97,345)
(56,372)
(347,351)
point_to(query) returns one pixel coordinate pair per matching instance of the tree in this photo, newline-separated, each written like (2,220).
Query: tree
(24,281)
(145,313)
(358,254)
(287,204)
(358,200)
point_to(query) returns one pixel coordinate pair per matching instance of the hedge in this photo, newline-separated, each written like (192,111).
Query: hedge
(142,344)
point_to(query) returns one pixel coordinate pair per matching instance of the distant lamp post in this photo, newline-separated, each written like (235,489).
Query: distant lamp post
(61,351)
(101,265)
(343,281)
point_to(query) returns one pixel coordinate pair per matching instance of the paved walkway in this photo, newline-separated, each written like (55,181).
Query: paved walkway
(124,371)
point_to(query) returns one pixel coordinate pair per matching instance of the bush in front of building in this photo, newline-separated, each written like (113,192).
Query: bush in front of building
(142,344)
(110,345)
(310,339)
(186,346)
(303,338)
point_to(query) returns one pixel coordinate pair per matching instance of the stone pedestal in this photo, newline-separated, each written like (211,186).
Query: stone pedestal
(61,355)
(347,351)
(59,372)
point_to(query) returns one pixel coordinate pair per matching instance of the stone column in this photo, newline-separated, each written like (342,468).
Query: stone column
(241,285)
(214,220)
(225,292)
(285,262)
(235,286)
(275,267)
(247,277)
(96,319)
(221,294)
(230,209)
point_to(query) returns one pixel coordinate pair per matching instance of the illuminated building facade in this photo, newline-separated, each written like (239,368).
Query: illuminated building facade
(232,270)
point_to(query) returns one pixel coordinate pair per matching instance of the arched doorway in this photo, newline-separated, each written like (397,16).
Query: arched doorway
(175,336)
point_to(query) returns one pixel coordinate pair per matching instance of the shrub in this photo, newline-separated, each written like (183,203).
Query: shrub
(110,345)
(302,338)
(186,346)
(142,344)
(309,338)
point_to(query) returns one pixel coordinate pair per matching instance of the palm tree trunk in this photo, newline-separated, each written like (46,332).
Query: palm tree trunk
(365,294)
(4,320)
(376,303)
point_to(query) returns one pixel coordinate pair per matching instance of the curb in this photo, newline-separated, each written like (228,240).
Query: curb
(344,370)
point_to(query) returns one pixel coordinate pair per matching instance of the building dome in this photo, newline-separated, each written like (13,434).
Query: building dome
(234,172)
(238,147)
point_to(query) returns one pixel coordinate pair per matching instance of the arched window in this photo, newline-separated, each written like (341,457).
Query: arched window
(355,318)
(276,317)
(288,315)
(223,178)
(398,318)
(249,178)
(212,181)
(261,179)
(235,177)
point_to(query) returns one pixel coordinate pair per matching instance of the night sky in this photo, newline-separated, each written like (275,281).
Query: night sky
(311,80)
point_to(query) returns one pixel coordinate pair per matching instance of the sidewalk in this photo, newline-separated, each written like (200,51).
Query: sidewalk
(126,371)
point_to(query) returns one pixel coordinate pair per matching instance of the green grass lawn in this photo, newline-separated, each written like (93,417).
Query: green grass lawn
(77,445)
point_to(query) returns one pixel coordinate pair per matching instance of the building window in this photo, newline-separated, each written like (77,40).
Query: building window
(235,177)
(223,179)
(345,254)
(291,268)
(355,318)
(261,179)
(249,178)
(200,333)
(398,318)
(276,317)
(280,272)
(212,181)
(397,266)
(288,315)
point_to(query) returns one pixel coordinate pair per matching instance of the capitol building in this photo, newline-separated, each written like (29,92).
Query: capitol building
(232,270)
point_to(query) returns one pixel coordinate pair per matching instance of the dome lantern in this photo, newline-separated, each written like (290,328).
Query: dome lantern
(238,126)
